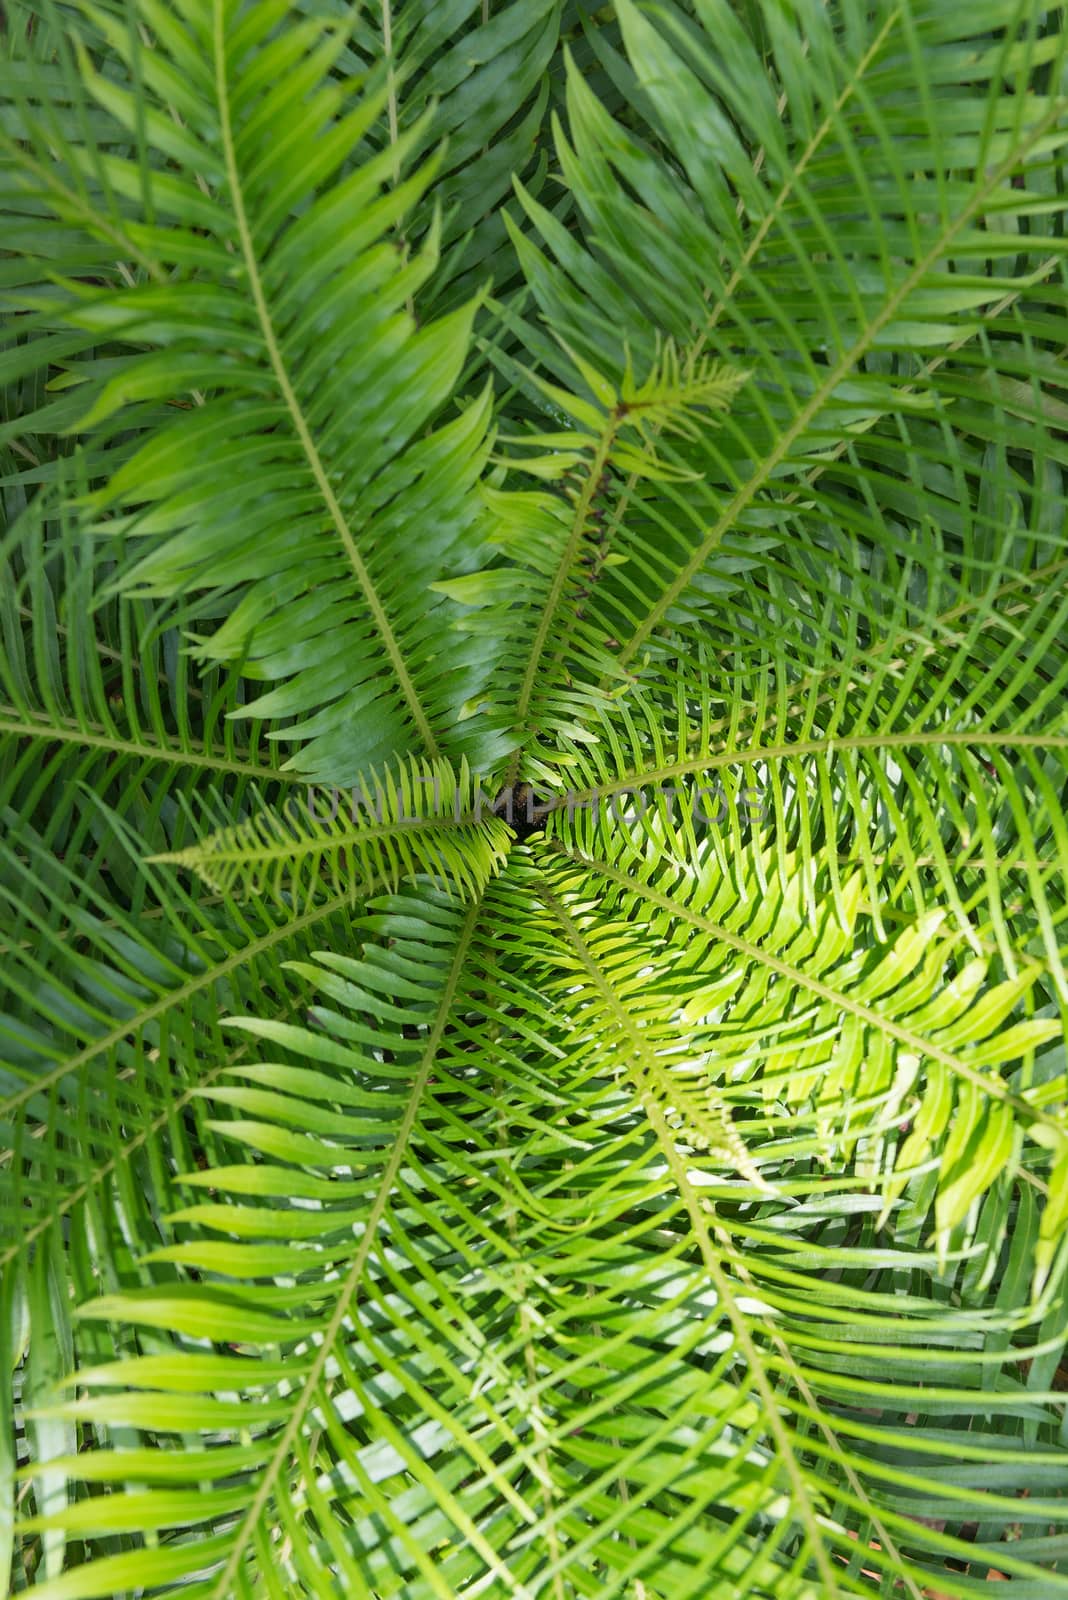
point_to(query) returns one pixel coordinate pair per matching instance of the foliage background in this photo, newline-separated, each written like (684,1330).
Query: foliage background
(663,395)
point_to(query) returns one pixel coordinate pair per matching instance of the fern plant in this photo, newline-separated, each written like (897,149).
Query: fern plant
(532,678)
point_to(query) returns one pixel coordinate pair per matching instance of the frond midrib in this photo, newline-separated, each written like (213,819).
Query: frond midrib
(350,1286)
(841,1001)
(173,997)
(677,1166)
(642,776)
(75,732)
(300,424)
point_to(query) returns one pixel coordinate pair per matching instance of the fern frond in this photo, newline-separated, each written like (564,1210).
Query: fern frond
(678,387)
(272,483)
(422,818)
(929,745)
(556,547)
(838,1040)
(662,1197)
(878,281)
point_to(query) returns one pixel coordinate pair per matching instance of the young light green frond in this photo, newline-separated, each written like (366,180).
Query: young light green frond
(677,386)
(517,1446)
(843,1042)
(677,389)
(557,547)
(927,739)
(669,1065)
(422,819)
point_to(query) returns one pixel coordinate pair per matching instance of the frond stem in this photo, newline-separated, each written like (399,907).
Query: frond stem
(92,220)
(16,727)
(565,567)
(173,997)
(124,1151)
(804,747)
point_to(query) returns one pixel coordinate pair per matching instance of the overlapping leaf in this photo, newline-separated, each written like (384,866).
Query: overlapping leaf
(679,1209)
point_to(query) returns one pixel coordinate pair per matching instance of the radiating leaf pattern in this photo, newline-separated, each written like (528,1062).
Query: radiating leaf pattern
(533,624)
